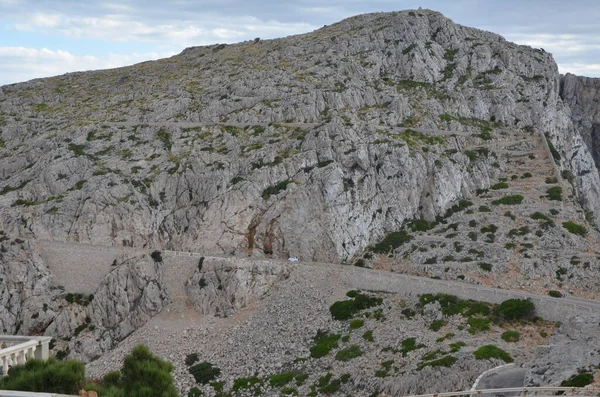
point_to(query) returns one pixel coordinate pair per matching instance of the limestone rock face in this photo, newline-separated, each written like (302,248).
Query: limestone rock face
(222,286)
(126,299)
(294,146)
(28,300)
(574,348)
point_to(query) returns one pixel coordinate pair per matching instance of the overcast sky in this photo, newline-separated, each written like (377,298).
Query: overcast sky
(40,38)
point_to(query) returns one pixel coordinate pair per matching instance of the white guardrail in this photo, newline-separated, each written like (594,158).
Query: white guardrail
(16,350)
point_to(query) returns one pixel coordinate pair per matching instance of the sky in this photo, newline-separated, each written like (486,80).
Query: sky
(42,38)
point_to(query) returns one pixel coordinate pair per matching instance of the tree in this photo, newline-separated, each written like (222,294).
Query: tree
(145,375)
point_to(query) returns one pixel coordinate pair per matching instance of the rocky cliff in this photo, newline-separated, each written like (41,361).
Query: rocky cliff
(289,146)
(340,145)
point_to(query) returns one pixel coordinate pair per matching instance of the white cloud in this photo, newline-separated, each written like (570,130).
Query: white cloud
(557,44)
(581,69)
(21,63)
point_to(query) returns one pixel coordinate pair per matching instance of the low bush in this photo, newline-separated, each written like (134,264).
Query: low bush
(349,353)
(511,336)
(478,325)
(436,325)
(324,342)
(499,185)
(574,228)
(345,310)
(446,361)
(281,380)
(579,380)
(410,344)
(204,372)
(554,193)
(368,336)
(555,294)
(485,266)
(515,309)
(509,200)
(356,324)
(391,242)
(490,351)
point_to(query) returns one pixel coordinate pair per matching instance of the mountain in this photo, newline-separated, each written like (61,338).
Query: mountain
(397,141)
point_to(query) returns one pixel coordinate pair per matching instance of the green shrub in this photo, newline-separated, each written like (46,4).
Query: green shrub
(301,378)
(509,200)
(368,336)
(252,382)
(276,189)
(579,380)
(191,359)
(50,376)
(281,380)
(478,325)
(555,294)
(391,242)
(454,347)
(348,353)
(489,229)
(446,361)
(516,309)
(490,351)
(436,325)
(574,228)
(421,225)
(485,266)
(356,324)
(345,310)
(195,392)
(324,342)
(554,193)
(511,336)
(453,305)
(410,344)
(204,372)
(499,185)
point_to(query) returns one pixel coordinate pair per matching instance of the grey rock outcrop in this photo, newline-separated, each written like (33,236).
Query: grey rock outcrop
(222,286)
(574,348)
(126,299)
(28,299)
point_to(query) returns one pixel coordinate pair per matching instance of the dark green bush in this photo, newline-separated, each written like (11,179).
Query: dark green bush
(478,324)
(191,359)
(511,336)
(410,344)
(499,185)
(490,351)
(157,256)
(575,228)
(51,376)
(421,225)
(356,324)
(204,372)
(509,200)
(579,380)
(368,336)
(281,380)
(324,342)
(485,266)
(436,325)
(554,193)
(344,310)
(348,353)
(446,361)
(555,294)
(391,242)
(516,309)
